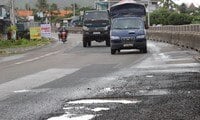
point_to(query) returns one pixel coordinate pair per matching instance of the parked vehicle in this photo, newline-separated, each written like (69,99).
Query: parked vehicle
(96,27)
(23,30)
(128,27)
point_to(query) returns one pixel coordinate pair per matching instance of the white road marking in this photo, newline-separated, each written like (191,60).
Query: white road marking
(37,58)
(34,80)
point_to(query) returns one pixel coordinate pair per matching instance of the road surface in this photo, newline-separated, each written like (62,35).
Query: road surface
(67,81)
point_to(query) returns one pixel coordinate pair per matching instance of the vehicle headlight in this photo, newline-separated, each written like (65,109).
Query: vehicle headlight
(85,28)
(114,37)
(141,37)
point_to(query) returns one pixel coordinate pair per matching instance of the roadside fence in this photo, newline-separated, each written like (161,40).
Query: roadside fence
(184,35)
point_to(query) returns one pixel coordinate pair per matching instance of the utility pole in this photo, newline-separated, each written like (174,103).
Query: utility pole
(12,16)
(148,12)
(74,8)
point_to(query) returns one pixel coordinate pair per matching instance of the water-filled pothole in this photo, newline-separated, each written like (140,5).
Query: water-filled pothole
(87,109)
(154,92)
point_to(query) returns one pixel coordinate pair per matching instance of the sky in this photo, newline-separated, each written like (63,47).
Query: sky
(188,2)
(64,3)
(60,3)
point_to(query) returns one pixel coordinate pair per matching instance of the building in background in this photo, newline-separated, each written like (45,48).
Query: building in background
(5,21)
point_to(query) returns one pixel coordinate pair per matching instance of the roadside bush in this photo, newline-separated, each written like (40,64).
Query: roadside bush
(166,17)
(196,20)
(159,16)
(22,43)
(179,19)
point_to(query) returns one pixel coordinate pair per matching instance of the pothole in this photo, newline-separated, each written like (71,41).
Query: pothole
(87,109)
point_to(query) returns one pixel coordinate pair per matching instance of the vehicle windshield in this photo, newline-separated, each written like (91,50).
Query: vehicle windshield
(96,15)
(127,9)
(127,24)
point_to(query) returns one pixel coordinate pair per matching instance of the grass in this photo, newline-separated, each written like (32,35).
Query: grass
(22,43)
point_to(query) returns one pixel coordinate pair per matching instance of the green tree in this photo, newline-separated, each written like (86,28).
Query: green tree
(42,5)
(160,16)
(53,7)
(183,8)
(54,12)
(83,9)
(165,17)
(168,4)
(179,19)
(27,6)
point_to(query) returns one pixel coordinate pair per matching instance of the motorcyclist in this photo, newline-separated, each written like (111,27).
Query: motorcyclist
(62,29)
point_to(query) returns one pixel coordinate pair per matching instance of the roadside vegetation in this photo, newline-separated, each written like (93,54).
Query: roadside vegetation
(44,6)
(170,13)
(22,43)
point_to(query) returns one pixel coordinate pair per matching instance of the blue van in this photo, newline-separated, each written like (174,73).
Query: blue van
(128,33)
(128,23)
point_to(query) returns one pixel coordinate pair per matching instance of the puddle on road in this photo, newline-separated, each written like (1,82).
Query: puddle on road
(69,117)
(99,109)
(154,92)
(87,109)
(101,101)
(21,91)
(106,90)
(149,76)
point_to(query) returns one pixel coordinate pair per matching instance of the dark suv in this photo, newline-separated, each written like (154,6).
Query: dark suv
(96,27)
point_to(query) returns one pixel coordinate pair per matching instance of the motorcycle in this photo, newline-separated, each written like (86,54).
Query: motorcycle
(63,36)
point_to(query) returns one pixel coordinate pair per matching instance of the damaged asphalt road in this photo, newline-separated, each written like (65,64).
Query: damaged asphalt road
(69,82)
(164,86)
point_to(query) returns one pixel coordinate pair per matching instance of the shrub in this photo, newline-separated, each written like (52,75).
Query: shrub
(179,19)
(196,20)
(166,17)
(159,16)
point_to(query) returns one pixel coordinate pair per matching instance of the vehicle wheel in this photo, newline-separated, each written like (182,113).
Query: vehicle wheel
(144,50)
(113,51)
(84,44)
(63,40)
(108,43)
(89,43)
(118,50)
